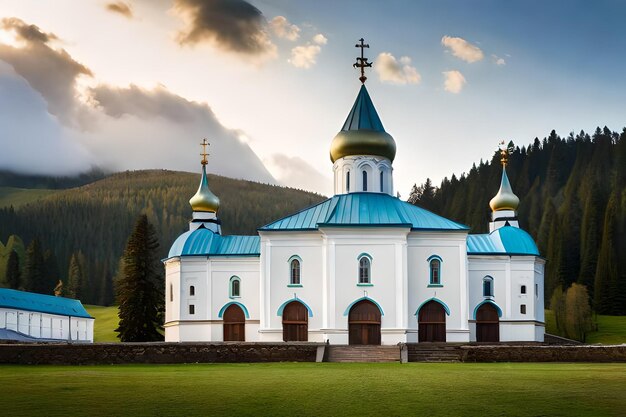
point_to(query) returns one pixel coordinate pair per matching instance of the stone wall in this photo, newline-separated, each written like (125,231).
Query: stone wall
(118,353)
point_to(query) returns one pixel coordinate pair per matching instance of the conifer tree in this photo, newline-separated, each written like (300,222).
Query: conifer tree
(578,312)
(34,276)
(557,305)
(606,272)
(13,274)
(74,279)
(139,287)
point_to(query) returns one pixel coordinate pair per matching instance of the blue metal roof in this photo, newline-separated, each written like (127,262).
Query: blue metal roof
(363,114)
(364,209)
(204,242)
(31,301)
(507,240)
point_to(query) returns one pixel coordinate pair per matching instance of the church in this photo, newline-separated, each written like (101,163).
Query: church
(362,267)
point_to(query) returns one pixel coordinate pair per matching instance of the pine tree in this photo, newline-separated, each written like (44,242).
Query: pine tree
(74,279)
(606,271)
(13,274)
(557,305)
(34,275)
(139,287)
(51,269)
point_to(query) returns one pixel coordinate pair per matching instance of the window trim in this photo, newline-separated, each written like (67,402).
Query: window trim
(230,287)
(489,279)
(369,270)
(290,282)
(430,260)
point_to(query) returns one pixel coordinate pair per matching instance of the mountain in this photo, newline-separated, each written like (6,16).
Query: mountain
(572,201)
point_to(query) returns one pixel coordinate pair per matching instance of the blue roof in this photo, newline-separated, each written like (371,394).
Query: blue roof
(31,301)
(507,240)
(205,242)
(364,209)
(363,114)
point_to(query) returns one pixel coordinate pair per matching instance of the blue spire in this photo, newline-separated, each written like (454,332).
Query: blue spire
(363,114)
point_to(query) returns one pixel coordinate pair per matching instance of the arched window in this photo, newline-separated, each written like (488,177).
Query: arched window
(294,277)
(348,181)
(171,292)
(235,287)
(364,180)
(192,290)
(382,177)
(435,270)
(487,287)
(364,270)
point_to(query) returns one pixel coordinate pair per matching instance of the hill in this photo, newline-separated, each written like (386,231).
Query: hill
(16,197)
(96,219)
(572,201)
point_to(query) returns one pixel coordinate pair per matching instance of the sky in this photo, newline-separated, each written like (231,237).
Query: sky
(137,84)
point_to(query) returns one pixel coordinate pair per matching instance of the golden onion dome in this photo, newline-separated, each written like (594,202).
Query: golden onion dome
(204,199)
(363,132)
(505,199)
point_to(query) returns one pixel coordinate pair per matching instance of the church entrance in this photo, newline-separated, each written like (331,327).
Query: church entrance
(295,322)
(364,324)
(432,323)
(487,324)
(234,324)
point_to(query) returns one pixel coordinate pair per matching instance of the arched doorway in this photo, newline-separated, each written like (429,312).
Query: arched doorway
(432,322)
(295,322)
(364,324)
(234,324)
(487,323)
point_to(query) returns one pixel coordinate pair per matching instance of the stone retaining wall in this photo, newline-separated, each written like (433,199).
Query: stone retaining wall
(118,353)
(579,353)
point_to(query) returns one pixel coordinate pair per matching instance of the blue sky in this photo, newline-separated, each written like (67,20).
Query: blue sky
(163,74)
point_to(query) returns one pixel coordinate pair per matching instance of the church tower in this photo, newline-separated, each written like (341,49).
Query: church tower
(204,203)
(362,152)
(504,203)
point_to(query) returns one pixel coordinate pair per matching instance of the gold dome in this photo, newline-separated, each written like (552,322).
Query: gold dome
(362,142)
(505,199)
(204,199)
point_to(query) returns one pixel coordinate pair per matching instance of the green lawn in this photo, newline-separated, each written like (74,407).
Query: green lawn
(19,196)
(557,389)
(105,324)
(611,329)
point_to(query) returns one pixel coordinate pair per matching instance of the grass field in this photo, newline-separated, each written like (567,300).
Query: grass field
(309,389)
(611,329)
(105,324)
(19,196)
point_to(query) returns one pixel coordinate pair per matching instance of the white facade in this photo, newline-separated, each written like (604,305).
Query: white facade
(38,325)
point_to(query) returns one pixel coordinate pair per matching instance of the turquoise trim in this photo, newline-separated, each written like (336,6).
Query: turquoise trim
(435,285)
(430,260)
(488,278)
(289,265)
(294,285)
(294,257)
(488,302)
(445,306)
(283,305)
(382,313)
(367,255)
(365,285)
(431,257)
(230,287)
(243,307)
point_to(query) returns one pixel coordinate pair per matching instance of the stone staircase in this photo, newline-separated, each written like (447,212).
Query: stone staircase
(363,353)
(434,353)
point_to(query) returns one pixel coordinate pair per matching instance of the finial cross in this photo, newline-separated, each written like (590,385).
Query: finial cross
(504,153)
(361,62)
(204,153)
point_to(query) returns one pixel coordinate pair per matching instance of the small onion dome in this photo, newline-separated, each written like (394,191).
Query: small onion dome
(363,132)
(204,199)
(505,199)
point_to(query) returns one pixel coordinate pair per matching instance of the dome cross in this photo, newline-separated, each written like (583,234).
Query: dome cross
(361,62)
(204,153)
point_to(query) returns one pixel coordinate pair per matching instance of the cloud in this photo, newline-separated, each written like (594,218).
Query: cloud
(454,81)
(305,56)
(462,49)
(281,27)
(230,25)
(398,72)
(498,60)
(121,8)
(51,72)
(294,171)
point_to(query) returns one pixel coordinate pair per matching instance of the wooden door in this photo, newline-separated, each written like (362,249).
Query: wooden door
(234,324)
(295,322)
(432,323)
(364,324)
(487,324)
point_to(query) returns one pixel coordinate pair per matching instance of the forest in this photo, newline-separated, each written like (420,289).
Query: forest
(572,194)
(77,235)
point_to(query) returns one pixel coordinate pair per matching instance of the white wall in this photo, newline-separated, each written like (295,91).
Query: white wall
(47,326)
(373,165)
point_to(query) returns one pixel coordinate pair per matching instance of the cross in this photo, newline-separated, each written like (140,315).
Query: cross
(204,153)
(361,62)
(504,153)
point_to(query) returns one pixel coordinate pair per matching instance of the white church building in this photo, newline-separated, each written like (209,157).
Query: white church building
(362,267)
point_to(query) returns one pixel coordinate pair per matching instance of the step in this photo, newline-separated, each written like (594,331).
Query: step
(363,353)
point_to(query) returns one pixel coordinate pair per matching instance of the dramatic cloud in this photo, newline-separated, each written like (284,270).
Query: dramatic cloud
(305,56)
(293,171)
(281,27)
(230,25)
(121,8)
(462,49)
(454,81)
(51,72)
(498,60)
(391,70)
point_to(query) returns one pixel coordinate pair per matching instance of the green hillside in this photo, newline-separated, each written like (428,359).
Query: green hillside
(96,219)
(16,197)
(610,330)
(105,324)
